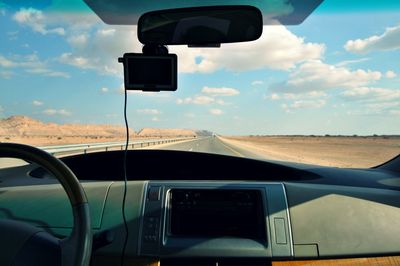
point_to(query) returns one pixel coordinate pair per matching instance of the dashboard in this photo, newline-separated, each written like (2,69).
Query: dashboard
(201,209)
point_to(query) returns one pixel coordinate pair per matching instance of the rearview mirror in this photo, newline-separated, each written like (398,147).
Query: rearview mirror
(201,26)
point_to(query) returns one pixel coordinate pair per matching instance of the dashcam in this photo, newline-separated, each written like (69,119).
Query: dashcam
(150,72)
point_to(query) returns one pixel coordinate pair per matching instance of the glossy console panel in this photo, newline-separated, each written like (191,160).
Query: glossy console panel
(183,219)
(216,213)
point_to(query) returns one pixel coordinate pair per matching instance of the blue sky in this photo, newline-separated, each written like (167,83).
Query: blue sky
(337,73)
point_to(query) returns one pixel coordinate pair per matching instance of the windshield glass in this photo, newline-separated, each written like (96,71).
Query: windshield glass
(323,92)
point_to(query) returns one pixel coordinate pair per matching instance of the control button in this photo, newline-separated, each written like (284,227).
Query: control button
(153,221)
(151,229)
(150,238)
(154,193)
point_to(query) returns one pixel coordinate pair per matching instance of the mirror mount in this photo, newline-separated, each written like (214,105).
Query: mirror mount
(154,49)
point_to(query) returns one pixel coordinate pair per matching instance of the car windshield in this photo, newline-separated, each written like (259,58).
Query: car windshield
(324,92)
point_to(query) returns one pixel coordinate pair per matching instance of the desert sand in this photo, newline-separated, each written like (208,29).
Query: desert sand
(166,132)
(26,130)
(339,151)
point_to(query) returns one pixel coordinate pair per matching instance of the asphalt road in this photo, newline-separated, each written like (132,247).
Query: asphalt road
(210,145)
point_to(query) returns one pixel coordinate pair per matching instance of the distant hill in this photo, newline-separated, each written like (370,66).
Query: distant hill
(166,132)
(24,126)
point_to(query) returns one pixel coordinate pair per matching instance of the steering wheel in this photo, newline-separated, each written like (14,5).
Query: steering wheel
(24,244)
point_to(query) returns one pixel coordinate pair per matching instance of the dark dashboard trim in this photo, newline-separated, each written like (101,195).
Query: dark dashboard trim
(180,165)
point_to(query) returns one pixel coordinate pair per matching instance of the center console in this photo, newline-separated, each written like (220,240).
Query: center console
(215,220)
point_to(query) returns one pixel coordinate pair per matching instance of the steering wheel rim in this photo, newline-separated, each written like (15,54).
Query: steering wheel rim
(75,249)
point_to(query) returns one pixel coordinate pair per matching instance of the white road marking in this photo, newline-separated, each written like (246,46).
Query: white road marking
(236,152)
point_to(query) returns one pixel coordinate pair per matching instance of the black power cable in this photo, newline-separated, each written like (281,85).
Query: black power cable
(125,180)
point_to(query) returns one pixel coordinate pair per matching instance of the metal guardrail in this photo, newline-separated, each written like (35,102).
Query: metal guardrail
(84,148)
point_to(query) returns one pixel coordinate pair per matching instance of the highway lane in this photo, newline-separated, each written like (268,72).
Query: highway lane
(210,145)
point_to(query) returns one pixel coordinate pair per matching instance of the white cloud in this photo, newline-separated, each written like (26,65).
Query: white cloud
(274,97)
(390,74)
(223,91)
(1,109)
(221,102)
(296,96)
(216,111)
(395,112)
(389,40)
(37,103)
(106,44)
(202,100)
(77,61)
(50,73)
(155,119)
(12,35)
(149,111)
(386,108)
(36,20)
(293,101)
(257,82)
(61,112)
(314,94)
(303,104)
(198,99)
(374,100)
(106,32)
(372,94)
(30,64)
(209,97)
(308,104)
(349,62)
(73,22)
(317,76)
(4,62)
(104,90)
(112,115)
(307,85)
(6,74)
(384,104)
(190,115)
(47,72)
(277,48)
(79,40)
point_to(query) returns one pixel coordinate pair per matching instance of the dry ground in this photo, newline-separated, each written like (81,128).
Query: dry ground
(54,140)
(329,151)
